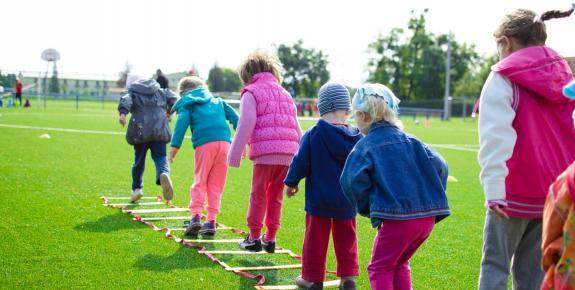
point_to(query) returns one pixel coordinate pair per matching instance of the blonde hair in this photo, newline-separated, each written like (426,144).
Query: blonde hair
(260,61)
(527,27)
(190,83)
(378,110)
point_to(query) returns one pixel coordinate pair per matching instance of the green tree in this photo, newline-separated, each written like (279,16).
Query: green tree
(232,82)
(54,86)
(216,79)
(305,70)
(8,80)
(412,61)
(221,79)
(471,83)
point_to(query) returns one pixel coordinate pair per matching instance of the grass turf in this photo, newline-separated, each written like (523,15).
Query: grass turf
(56,234)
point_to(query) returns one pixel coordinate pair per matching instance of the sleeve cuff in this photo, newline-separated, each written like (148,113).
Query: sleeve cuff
(490,204)
(495,190)
(234,162)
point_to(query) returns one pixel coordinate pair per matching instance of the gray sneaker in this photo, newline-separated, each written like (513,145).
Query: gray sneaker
(194,226)
(208,228)
(136,195)
(167,188)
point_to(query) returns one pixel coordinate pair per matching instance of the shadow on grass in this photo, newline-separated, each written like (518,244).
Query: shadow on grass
(270,276)
(107,224)
(183,258)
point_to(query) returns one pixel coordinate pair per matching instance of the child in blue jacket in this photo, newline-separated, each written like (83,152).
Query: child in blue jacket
(397,181)
(320,160)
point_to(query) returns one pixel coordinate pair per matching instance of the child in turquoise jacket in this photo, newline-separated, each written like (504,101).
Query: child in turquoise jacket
(207,117)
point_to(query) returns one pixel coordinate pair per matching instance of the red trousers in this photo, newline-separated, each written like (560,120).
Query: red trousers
(266,200)
(316,242)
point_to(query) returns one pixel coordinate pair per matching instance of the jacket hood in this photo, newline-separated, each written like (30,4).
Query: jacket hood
(339,140)
(540,70)
(145,87)
(196,96)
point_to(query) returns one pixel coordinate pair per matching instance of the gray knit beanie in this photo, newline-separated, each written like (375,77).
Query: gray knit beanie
(333,97)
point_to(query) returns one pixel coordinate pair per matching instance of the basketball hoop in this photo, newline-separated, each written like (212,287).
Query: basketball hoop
(50,54)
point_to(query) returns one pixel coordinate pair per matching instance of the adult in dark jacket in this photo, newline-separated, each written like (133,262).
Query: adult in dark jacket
(148,128)
(162,80)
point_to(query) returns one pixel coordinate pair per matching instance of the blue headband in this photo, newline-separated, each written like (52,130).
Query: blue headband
(378,90)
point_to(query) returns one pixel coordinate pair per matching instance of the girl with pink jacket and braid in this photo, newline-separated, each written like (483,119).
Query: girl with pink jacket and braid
(268,125)
(526,140)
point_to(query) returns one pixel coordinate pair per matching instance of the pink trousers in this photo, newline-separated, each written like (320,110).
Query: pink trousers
(209,178)
(266,200)
(394,245)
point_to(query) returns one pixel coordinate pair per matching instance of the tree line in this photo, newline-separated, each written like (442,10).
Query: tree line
(410,61)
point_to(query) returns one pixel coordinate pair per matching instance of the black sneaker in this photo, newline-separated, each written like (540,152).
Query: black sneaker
(304,284)
(194,226)
(269,246)
(347,284)
(251,245)
(208,228)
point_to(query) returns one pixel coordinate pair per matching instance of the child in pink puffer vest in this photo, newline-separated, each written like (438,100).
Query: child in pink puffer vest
(268,124)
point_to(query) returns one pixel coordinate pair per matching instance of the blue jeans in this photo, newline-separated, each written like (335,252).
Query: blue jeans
(160,160)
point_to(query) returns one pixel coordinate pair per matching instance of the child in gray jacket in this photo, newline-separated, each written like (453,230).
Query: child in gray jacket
(148,128)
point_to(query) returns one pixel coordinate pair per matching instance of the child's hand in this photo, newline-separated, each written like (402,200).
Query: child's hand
(496,206)
(123,120)
(499,212)
(291,191)
(173,153)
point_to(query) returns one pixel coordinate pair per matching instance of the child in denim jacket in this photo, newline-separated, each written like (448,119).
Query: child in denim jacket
(397,181)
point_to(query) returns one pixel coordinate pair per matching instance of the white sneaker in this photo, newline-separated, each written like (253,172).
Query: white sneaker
(167,188)
(136,194)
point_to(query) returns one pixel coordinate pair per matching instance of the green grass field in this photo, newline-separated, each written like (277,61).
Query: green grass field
(55,233)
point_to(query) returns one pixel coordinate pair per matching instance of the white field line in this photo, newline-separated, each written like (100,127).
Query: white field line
(454,147)
(62,129)
(459,147)
(58,115)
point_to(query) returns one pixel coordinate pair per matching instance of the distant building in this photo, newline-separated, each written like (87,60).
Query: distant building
(69,86)
(174,78)
(571,61)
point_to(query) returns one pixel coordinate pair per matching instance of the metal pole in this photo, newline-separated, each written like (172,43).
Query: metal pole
(446,112)
(464,111)
(46,84)
(39,89)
